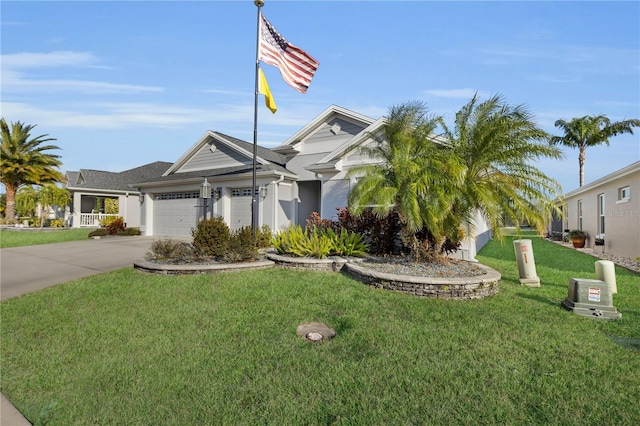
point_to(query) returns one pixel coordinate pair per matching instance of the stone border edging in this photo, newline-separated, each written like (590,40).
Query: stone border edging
(168,269)
(331,264)
(475,287)
(444,288)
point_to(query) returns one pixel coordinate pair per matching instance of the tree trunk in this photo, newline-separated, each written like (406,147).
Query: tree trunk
(10,210)
(581,157)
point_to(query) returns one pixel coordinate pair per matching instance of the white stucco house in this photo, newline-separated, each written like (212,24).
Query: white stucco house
(608,206)
(307,173)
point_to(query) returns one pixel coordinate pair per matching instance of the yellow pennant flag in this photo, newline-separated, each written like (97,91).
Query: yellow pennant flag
(263,88)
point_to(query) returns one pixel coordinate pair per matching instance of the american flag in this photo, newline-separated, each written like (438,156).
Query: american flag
(296,66)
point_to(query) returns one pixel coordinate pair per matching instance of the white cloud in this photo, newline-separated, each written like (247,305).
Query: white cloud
(13,82)
(47,60)
(133,115)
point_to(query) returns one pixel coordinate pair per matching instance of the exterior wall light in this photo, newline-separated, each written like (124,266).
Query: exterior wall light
(205,189)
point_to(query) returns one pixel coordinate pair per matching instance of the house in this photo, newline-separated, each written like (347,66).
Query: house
(307,173)
(609,206)
(90,188)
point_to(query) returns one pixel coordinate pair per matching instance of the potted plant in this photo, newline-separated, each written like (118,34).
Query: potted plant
(577,237)
(599,240)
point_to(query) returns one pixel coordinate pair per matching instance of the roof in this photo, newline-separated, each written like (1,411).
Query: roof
(322,117)
(228,172)
(264,155)
(623,172)
(115,181)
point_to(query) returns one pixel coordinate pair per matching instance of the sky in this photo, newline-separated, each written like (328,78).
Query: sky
(122,84)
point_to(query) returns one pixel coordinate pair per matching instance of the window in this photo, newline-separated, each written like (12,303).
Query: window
(624,194)
(243,192)
(177,195)
(601,210)
(579,214)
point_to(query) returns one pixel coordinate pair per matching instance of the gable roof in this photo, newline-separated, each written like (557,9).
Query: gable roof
(267,163)
(353,143)
(114,181)
(289,144)
(264,155)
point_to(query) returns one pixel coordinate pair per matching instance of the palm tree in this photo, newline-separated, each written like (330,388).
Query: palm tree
(24,161)
(497,144)
(590,130)
(412,176)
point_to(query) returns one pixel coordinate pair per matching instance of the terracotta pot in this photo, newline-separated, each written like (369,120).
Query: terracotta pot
(578,243)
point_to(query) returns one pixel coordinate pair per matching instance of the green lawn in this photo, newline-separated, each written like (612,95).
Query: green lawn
(127,348)
(10,238)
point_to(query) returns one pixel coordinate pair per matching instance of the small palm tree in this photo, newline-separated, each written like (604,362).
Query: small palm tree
(590,130)
(498,144)
(412,176)
(24,161)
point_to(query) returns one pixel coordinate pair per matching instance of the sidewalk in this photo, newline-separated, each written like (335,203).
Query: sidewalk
(33,268)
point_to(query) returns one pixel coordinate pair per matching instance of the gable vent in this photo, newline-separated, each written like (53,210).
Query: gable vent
(335,128)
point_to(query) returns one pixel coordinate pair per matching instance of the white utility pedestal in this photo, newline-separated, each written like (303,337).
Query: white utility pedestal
(606,271)
(526,263)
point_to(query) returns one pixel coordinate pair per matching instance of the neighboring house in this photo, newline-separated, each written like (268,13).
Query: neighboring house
(307,173)
(89,189)
(609,206)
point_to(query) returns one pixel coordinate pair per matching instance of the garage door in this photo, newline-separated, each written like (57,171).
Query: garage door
(240,208)
(174,214)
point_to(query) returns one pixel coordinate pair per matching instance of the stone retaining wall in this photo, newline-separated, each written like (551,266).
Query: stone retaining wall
(442,288)
(332,264)
(165,269)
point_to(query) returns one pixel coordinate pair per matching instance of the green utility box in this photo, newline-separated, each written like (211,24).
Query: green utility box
(590,298)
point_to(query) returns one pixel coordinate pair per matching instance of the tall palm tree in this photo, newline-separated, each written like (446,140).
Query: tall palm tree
(24,161)
(590,130)
(410,174)
(498,144)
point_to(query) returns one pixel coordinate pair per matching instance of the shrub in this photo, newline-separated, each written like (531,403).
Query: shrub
(115,226)
(211,237)
(263,237)
(109,219)
(130,231)
(111,205)
(318,243)
(241,247)
(171,251)
(347,243)
(288,241)
(316,222)
(381,234)
(100,232)
(56,223)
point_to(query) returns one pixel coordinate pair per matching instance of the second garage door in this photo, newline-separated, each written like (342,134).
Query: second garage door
(240,208)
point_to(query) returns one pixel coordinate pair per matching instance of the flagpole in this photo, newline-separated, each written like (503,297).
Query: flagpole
(254,201)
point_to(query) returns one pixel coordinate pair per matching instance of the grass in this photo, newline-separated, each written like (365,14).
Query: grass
(10,238)
(128,348)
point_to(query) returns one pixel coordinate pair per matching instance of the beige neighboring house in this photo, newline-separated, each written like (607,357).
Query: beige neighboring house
(608,206)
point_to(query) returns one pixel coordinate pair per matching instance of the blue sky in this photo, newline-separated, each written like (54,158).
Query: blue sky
(121,84)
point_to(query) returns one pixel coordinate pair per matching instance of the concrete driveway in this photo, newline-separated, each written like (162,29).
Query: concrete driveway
(27,269)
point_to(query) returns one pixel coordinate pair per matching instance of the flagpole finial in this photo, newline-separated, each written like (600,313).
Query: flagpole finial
(258,3)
